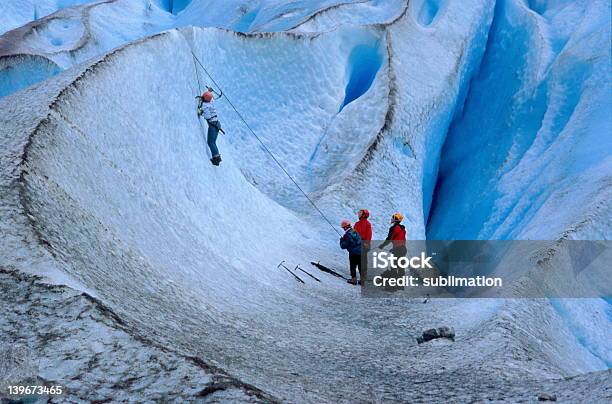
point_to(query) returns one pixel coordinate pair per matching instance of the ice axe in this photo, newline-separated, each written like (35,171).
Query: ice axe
(309,274)
(328,270)
(282,264)
(220,94)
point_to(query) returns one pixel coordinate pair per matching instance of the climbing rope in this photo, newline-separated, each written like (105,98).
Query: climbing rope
(314,205)
(197,75)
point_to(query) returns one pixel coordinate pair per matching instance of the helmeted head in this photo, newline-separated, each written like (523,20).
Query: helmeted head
(397,218)
(363,214)
(345,224)
(207,96)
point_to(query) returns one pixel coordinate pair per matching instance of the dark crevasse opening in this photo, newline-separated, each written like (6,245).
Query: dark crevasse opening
(179,5)
(245,23)
(173,6)
(539,6)
(19,72)
(363,65)
(506,107)
(428,11)
(465,191)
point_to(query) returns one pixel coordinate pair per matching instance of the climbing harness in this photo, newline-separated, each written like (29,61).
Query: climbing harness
(314,205)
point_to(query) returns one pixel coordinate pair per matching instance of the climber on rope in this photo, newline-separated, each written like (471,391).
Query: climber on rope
(396,236)
(364,228)
(207,110)
(351,241)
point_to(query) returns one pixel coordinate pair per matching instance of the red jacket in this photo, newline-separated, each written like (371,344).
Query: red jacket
(397,236)
(364,228)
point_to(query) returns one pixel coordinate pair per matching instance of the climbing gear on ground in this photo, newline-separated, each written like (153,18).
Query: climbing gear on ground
(297,267)
(297,278)
(325,269)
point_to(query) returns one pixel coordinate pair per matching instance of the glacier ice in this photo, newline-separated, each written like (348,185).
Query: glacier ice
(538,110)
(70,35)
(527,150)
(106,185)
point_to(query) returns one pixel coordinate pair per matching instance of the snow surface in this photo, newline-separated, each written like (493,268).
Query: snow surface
(16,13)
(106,186)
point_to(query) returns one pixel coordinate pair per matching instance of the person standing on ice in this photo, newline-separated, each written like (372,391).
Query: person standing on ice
(351,241)
(209,112)
(364,228)
(396,236)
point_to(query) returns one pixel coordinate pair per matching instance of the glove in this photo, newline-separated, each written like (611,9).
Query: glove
(200,112)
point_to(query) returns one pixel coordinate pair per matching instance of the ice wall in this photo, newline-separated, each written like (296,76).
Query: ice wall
(108,184)
(428,71)
(527,157)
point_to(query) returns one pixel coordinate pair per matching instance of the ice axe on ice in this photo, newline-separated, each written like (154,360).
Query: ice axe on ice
(307,273)
(297,278)
(326,269)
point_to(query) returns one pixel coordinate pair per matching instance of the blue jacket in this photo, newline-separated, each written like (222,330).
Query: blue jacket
(351,241)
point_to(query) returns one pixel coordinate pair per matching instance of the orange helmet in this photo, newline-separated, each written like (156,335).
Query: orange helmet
(397,217)
(345,223)
(363,214)
(207,96)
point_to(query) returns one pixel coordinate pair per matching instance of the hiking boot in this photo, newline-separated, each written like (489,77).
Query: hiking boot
(216,159)
(352,281)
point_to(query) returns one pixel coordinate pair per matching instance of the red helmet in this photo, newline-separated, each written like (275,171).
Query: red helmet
(207,96)
(345,223)
(363,214)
